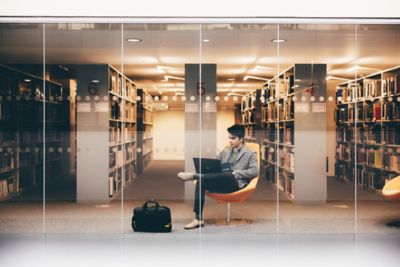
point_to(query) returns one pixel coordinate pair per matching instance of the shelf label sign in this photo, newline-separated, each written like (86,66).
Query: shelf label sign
(84,107)
(209,107)
(302,108)
(192,107)
(318,107)
(101,107)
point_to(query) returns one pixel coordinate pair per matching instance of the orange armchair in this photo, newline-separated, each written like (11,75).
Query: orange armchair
(391,191)
(240,195)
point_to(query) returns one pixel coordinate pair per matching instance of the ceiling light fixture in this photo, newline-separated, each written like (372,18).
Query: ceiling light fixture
(165,69)
(235,94)
(254,78)
(357,67)
(27,80)
(206,40)
(258,67)
(231,79)
(134,40)
(278,40)
(167,77)
(330,77)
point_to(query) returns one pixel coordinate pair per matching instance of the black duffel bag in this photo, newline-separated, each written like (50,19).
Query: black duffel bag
(152,218)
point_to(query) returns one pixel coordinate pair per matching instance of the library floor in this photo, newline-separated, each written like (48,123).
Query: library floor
(87,234)
(159,181)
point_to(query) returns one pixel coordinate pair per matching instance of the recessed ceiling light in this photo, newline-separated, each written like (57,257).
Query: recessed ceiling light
(278,40)
(27,80)
(95,81)
(231,79)
(134,40)
(206,40)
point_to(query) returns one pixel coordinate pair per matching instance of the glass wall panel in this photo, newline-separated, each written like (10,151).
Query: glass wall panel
(22,83)
(84,125)
(166,129)
(315,171)
(240,59)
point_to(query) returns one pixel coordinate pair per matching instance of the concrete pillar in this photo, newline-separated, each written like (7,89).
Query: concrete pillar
(200,116)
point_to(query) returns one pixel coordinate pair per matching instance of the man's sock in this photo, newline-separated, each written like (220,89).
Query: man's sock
(197,176)
(198,217)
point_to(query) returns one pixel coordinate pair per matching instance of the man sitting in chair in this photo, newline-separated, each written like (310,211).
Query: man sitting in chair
(239,165)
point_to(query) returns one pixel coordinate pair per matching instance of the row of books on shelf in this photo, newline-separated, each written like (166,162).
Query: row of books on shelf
(248,117)
(250,132)
(117,157)
(147,146)
(249,102)
(28,113)
(147,158)
(7,161)
(268,173)
(268,153)
(121,86)
(130,112)
(374,135)
(276,90)
(286,135)
(147,116)
(368,178)
(369,88)
(115,178)
(148,134)
(378,158)
(7,186)
(116,114)
(7,136)
(391,85)
(5,110)
(119,134)
(369,112)
(285,111)
(115,184)
(286,183)
(287,160)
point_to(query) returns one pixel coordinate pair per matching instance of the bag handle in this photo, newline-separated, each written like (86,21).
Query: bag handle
(151,201)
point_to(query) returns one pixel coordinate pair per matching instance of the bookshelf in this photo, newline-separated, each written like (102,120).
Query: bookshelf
(293,117)
(367,117)
(106,138)
(22,101)
(251,116)
(145,130)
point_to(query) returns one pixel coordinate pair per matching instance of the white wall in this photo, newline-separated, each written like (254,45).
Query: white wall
(168,135)
(169,129)
(225,118)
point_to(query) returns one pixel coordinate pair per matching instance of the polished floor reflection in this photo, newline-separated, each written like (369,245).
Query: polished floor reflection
(200,250)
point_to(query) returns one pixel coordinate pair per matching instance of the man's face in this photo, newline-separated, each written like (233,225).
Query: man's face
(234,141)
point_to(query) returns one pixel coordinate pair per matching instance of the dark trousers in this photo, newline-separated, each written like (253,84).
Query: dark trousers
(222,182)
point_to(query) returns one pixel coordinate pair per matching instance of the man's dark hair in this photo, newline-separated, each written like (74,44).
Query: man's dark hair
(236,130)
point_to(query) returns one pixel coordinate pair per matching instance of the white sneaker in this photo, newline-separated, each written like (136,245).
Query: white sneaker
(186,176)
(194,224)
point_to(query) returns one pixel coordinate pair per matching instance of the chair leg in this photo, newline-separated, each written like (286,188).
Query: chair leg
(228,213)
(228,221)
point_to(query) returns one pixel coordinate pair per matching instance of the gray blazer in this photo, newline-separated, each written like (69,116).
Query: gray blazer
(245,166)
